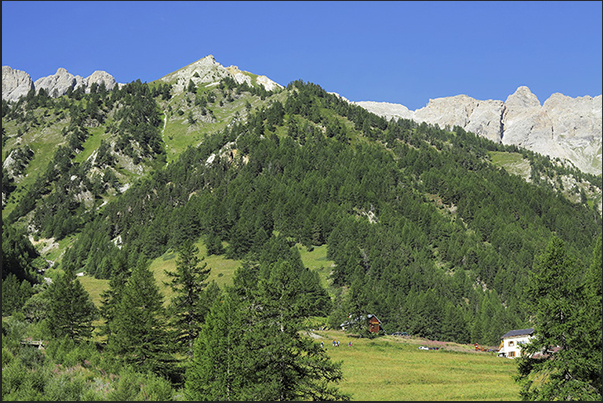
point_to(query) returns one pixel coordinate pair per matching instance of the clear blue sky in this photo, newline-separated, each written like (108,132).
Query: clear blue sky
(400,52)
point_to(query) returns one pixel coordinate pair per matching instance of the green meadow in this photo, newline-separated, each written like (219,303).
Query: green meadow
(392,368)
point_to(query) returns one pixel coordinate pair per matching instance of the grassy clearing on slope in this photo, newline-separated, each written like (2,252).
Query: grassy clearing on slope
(92,143)
(393,368)
(221,269)
(513,163)
(316,260)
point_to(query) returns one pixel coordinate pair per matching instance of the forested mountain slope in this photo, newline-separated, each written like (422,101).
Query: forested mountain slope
(424,229)
(439,233)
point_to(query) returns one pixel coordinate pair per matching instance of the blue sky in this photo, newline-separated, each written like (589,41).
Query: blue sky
(399,52)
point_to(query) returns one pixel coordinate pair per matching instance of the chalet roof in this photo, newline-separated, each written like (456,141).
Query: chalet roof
(367,317)
(370,315)
(520,332)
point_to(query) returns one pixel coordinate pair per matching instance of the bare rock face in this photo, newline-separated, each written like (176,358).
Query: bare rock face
(58,84)
(563,127)
(386,109)
(203,71)
(486,119)
(15,84)
(451,112)
(268,83)
(99,77)
(524,121)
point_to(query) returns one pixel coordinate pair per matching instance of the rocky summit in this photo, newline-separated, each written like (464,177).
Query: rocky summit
(208,71)
(563,127)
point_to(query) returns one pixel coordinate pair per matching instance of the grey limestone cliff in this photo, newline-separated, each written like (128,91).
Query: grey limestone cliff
(563,127)
(58,83)
(15,83)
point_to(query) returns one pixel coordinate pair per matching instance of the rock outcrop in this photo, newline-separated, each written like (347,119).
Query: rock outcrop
(15,83)
(563,127)
(59,83)
(207,71)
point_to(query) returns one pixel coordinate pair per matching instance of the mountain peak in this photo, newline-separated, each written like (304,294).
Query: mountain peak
(208,60)
(522,97)
(563,127)
(208,71)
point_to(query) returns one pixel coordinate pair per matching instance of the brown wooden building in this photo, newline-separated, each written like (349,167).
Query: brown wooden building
(373,323)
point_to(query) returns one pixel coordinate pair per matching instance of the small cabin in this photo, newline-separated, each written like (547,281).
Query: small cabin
(372,321)
(374,324)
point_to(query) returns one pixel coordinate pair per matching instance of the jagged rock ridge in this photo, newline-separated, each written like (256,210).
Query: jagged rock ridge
(58,84)
(17,83)
(563,127)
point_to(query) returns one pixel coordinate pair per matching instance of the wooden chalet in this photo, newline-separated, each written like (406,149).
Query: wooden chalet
(372,322)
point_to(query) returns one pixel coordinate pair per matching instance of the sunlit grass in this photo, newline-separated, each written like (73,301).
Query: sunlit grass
(221,269)
(316,260)
(391,368)
(513,163)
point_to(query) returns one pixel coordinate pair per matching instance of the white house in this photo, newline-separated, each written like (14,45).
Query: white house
(511,341)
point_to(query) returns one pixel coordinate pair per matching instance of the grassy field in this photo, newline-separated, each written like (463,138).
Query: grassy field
(393,368)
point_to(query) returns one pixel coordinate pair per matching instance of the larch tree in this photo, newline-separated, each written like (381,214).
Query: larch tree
(219,370)
(138,330)
(187,306)
(557,364)
(252,346)
(71,310)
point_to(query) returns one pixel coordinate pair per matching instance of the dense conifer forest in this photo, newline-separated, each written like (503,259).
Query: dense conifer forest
(424,231)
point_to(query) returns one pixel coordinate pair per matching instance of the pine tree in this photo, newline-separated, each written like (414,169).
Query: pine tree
(71,309)
(219,370)
(138,330)
(188,284)
(552,366)
(110,298)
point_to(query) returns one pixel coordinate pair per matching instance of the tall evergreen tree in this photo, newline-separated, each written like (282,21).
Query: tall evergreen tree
(138,330)
(111,297)
(71,310)
(220,368)
(287,364)
(188,283)
(14,294)
(552,365)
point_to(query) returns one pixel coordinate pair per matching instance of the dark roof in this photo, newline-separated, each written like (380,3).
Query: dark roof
(370,315)
(520,332)
(352,321)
